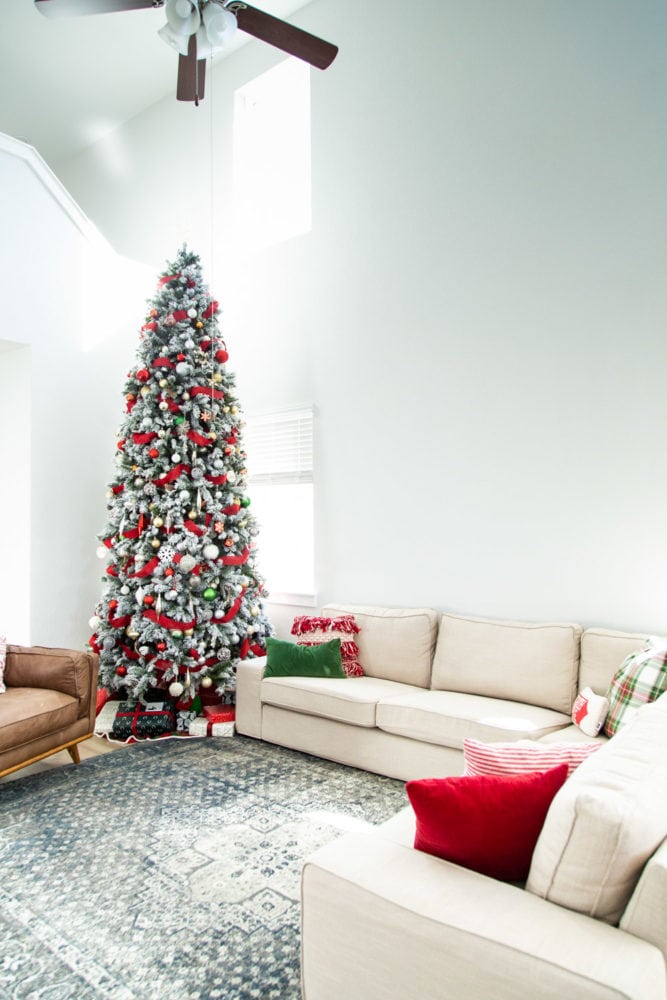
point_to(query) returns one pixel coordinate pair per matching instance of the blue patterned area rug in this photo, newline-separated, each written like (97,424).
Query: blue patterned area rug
(169,870)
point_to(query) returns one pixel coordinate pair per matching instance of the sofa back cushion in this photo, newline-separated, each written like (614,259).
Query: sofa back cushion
(602,653)
(606,821)
(517,661)
(394,643)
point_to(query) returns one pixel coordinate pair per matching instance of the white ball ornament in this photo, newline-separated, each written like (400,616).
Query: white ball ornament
(175,689)
(175,457)
(125,590)
(218,613)
(182,368)
(211,551)
(163,406)
(192,313)
(231,476)
(187,563)
(101,551)
(206,682)
(94,622)
(171,595)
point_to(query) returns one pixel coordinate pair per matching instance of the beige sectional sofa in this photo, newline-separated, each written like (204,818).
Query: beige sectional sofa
(430,681)
(383,920)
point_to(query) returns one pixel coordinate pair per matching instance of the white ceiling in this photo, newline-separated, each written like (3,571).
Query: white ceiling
(66,83)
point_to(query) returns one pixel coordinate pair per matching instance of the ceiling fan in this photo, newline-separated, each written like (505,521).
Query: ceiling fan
(199,28)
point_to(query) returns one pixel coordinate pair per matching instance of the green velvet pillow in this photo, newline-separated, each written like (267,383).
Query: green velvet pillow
(286,659)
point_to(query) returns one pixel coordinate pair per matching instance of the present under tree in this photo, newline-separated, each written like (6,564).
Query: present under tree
(182,601)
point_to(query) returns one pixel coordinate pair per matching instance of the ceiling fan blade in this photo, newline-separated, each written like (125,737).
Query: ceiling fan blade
(282,35)
(191,75)
(76,8)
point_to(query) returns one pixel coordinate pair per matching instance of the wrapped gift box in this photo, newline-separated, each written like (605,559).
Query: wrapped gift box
(133,719)
(220,713)
(222,729)
(198,726)
(105,718)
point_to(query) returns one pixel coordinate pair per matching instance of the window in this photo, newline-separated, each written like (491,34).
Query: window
(272,195)
(279,446)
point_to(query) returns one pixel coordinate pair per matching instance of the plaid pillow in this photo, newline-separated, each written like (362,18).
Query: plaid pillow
(316,629)
(642,677)
(3,656)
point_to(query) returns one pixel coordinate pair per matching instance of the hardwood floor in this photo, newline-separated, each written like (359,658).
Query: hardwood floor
(93,747)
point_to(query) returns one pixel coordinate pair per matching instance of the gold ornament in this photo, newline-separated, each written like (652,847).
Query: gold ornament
(162,383)
(192,514)
(158,522)
(188,631)
(156,543)
(131,633)
(217,377)
(145,391)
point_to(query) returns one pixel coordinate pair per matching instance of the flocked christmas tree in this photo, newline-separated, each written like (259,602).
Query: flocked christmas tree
(182,601)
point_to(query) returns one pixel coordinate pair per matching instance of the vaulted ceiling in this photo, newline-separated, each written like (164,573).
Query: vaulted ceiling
(66,83)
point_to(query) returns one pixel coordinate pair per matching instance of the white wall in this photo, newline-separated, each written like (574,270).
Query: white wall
(56,384)
(479,313)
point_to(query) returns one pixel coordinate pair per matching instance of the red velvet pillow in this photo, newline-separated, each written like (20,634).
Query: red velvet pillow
(489,823)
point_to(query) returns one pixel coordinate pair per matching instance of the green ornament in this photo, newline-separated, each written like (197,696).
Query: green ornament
(210,594)
(179,420)
(177,634)
(245,502)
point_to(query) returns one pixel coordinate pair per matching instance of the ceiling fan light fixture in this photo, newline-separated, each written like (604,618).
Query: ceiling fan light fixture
(174,39)
(183,16)
(220,24)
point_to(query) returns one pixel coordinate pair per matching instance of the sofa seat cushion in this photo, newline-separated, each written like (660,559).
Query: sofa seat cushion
(516,661)
(350,699)
(572,734)
(26,714)
(606,821)
(449,717)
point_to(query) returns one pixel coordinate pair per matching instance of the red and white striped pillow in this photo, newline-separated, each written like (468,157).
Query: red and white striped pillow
(313,630)
(523,756)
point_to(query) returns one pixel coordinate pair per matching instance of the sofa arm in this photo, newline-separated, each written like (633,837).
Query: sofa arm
(381,920)
(646,913)
(249,697)
(67,670)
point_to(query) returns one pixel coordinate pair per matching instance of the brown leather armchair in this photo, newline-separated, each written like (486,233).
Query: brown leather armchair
(49,704)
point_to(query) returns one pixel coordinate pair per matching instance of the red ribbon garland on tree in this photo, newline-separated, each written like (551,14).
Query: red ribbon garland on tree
(166,622)
(166,278)
(144,438)
(199,439)
(206,390)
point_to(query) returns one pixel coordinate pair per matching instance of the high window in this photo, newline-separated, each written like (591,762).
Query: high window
(272,193)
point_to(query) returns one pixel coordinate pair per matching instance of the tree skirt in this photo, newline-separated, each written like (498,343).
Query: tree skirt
(169,870)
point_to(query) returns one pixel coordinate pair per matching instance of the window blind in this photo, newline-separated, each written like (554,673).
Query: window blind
(279,447)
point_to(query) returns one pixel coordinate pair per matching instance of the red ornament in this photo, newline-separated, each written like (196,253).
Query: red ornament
(153,313)
(161,646)
(221,356)
(143,375)
(121,444)
(149,599)
(113,605)
(121,671)
(153,453)
(169,571)
(180,357)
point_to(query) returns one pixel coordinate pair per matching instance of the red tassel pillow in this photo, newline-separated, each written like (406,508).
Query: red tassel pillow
(313,630)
